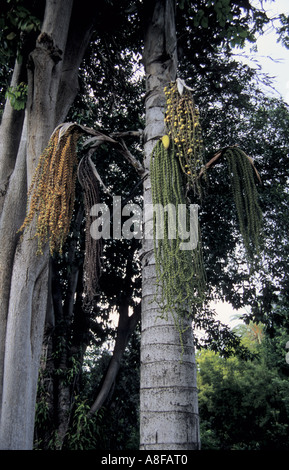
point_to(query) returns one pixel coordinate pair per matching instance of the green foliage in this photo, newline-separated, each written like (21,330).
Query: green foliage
(252,335)
(85,430)
(224,23)
(223,13)
(244,404)
(18,19)
(42,408)
(116,425)
(17,96)
(182,3)
(22,19)
(283,30)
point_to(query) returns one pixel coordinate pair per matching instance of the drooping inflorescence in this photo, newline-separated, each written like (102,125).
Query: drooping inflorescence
(93,246)
(180,273)
(184,129)
(52,191)
(175,162)
(245,194)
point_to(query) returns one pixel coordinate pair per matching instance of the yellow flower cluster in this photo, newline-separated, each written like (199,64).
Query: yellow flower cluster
(184,130)
(52,191)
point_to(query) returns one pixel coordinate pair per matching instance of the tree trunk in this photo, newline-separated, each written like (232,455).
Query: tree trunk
(10,136)
(52,85)
(168,395)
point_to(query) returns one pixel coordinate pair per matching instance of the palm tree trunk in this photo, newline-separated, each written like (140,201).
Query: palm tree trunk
(168,397)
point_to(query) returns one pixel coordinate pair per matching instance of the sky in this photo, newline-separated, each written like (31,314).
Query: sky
(273,56)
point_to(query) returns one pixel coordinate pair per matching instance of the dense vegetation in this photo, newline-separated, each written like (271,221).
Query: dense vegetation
(244,403)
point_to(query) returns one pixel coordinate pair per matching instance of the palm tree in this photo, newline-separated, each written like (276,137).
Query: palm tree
(168,395)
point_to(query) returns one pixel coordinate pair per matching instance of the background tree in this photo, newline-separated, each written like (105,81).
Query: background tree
(243,403)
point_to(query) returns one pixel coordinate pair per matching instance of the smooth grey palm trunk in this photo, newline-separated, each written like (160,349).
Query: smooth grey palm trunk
(168,396)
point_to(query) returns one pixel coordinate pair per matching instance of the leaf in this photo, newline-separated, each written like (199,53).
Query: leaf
(29,27)
(205,22)
(11,36)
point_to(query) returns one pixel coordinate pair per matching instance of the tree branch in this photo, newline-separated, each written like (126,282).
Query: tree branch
(120,146)
(98,138)
(218,155)
(130,158)
(126,326)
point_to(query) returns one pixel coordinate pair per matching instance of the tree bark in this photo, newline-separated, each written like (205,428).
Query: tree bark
(29,276)
(168,394)
(24,276)
(10,136)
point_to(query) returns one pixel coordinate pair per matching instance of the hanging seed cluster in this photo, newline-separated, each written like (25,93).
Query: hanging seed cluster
(245,197)
(175,159)
(180,273)
(93,247)
(184,129)
(52,191)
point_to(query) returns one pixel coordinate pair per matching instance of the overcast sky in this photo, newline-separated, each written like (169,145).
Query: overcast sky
(274,57)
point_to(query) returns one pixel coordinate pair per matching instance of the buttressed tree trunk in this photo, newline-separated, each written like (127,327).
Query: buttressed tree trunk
(168,403)
(52,85)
